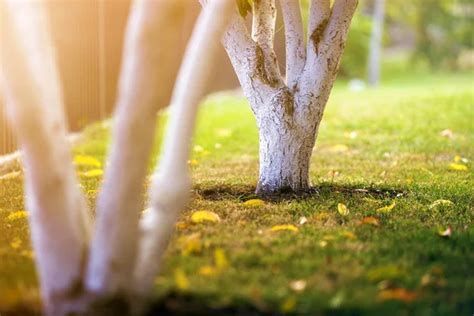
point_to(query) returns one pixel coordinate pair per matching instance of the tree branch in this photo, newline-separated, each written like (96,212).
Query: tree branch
(146,81)
(294,40)
(325,55)
(319,14)
(263,24)
(171,184)
(60,225)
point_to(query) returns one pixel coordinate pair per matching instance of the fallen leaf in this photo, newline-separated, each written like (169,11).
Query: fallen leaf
(351,135)
(205,216)
(457,167)
(93,173)
(445,232)
(83,160)
(198,148)
(386,209)
(11,175)
(193,162)
(446,133)
(370,220)
(15,243)
(208,271)
(254,203)
(303,220)
(441,202)
(348,234)
(298,285)
(323,243)
(220,259)
(217,145)
(398,294)
(287,227)
(342,209)
(339,148)
(17,215)
(181,280)
(181,225)
(321,216)
(337,300)
(288,304)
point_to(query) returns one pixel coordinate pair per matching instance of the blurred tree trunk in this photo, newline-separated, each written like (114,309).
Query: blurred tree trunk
(375,49)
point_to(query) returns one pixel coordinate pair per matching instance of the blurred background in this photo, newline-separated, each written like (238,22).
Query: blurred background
(389,40)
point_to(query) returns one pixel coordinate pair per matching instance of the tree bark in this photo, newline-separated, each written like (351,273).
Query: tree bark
(288,113)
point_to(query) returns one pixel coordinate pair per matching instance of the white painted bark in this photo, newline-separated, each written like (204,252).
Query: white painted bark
(145,84)
(57,212)
(288,115)
(294,40)
(375,48)
(171,182)
(122,263)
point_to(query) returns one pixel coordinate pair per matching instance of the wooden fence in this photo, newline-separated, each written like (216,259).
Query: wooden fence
(88,35)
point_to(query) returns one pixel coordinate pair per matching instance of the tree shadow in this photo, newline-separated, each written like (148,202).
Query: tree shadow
(246,192)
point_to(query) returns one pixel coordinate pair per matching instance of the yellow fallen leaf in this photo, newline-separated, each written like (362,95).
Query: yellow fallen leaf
(348,234)
(339,148)
(220,259)
(28,254)
(441,202)
(193,162)
(457,158)
(287,227)
(208,271)
(83,160)
(323,243)
(288,304)
(205,216)
(342,209)
(323,216)
(93,173)
(11,175)
(398,294)
(181,225)
(386,209)
(446,133)
(303,220)
(15,243)
(17,215)
(181,280)
(298,285)
(457,167)
(370,220)
(254,203)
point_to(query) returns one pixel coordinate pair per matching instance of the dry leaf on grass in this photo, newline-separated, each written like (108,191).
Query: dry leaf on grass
(205,216)
(342,209)
(287,227)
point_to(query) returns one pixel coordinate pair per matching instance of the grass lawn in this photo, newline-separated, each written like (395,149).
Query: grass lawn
(376,148)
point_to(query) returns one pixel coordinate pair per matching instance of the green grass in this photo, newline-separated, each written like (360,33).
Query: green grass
(397,156)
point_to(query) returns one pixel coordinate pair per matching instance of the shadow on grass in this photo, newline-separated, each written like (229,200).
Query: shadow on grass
(247,192)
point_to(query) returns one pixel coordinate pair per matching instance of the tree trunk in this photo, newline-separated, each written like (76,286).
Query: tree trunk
(288,111)
(285,150)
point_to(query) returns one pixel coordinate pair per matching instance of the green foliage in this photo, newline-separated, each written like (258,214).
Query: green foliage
(443,29)
(354,61)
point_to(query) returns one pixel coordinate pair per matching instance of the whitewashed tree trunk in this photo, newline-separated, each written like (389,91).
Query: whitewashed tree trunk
(375,48)
(288,113)
(112,273)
